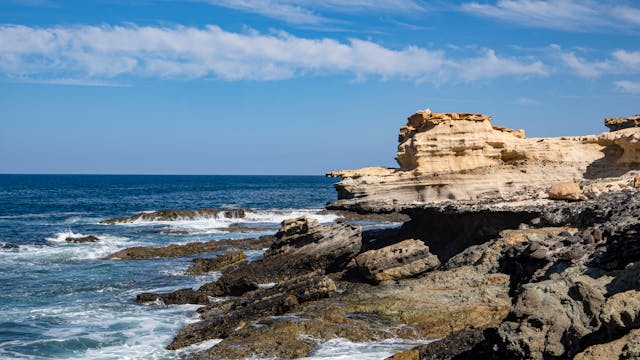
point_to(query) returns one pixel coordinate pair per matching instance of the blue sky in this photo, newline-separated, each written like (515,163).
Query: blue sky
(295,87)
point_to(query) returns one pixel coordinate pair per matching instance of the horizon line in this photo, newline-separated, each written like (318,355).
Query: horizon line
(153,174)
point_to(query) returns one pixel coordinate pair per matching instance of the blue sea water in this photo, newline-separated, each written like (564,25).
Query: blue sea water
(65,301)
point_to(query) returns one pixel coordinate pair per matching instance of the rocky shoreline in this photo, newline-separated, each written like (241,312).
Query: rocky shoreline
(509,248)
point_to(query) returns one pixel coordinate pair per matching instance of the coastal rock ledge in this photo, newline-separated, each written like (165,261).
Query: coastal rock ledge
(463,157)
(514,248)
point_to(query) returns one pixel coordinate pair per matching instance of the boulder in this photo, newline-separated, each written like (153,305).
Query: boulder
(565,191)
(404,259)
(626,347)
(218,263)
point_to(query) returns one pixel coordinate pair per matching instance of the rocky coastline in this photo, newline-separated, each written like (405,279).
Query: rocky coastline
(510,247)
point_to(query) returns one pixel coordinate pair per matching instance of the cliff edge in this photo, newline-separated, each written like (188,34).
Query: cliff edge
(462,157)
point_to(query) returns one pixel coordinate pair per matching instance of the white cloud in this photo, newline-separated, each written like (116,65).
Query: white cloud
(620,62)
(569,15)
(628,86)
(306,11)
(108,52)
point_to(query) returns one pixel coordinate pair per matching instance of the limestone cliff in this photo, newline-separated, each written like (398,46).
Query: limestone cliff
(462,156)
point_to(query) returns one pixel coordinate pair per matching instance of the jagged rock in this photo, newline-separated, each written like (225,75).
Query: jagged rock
(615,124)
(404,259)
(449,347)
(82,239)
(256,304)
(636,181)
(174,215)
(9,246)
(626,347)
(174,250)
(302,246)
(445,157)
(565,191)
(621,312)
(233,286)
(182,296)
(218,263)
(550,317)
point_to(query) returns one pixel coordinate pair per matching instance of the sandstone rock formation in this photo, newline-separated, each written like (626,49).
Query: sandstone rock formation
(461,156)
(565,191)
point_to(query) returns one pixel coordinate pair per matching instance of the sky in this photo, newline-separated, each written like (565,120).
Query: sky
(295,87)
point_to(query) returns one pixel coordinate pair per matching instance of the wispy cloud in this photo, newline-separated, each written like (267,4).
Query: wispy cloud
(569,15)
(112,52)
(619,62)
(628,86)
(310,11)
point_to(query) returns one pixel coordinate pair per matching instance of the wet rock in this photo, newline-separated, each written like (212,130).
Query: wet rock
(218,263)
(83,239)
(182,296)
(256,304)
(233,286)
(174,250)
(404,259)
(452,346)
(8,246)
(565,191)
(175,215)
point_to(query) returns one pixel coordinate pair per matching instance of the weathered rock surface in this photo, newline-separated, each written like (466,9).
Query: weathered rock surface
(218,263)
(615,124)
(175,250)
(445,157)
(182,296)
(175,215)
(82,239)
(301,246)
(254,305)
(401,260)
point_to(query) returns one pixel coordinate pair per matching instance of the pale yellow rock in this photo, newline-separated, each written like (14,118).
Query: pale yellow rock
(565,191)
(462,156)
(406,355)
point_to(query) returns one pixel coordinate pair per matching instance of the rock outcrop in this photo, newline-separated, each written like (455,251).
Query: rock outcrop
(175,250)
(175,215)
(82,239)
(401,260)
(218,263)
(461,156)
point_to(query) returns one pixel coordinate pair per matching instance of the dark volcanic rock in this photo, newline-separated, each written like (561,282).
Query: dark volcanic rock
(83,239)
(253,305)
(182,296)
(302,246)
(173,215)
(8,246)
(401,260)
(218,263)
(174,250)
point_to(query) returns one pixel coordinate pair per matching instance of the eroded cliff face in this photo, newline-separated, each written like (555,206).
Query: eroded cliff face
(462,156)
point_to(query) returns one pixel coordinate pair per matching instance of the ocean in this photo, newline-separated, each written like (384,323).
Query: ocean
(62,300)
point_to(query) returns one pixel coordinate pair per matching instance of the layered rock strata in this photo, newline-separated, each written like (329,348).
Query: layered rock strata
(461,156)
